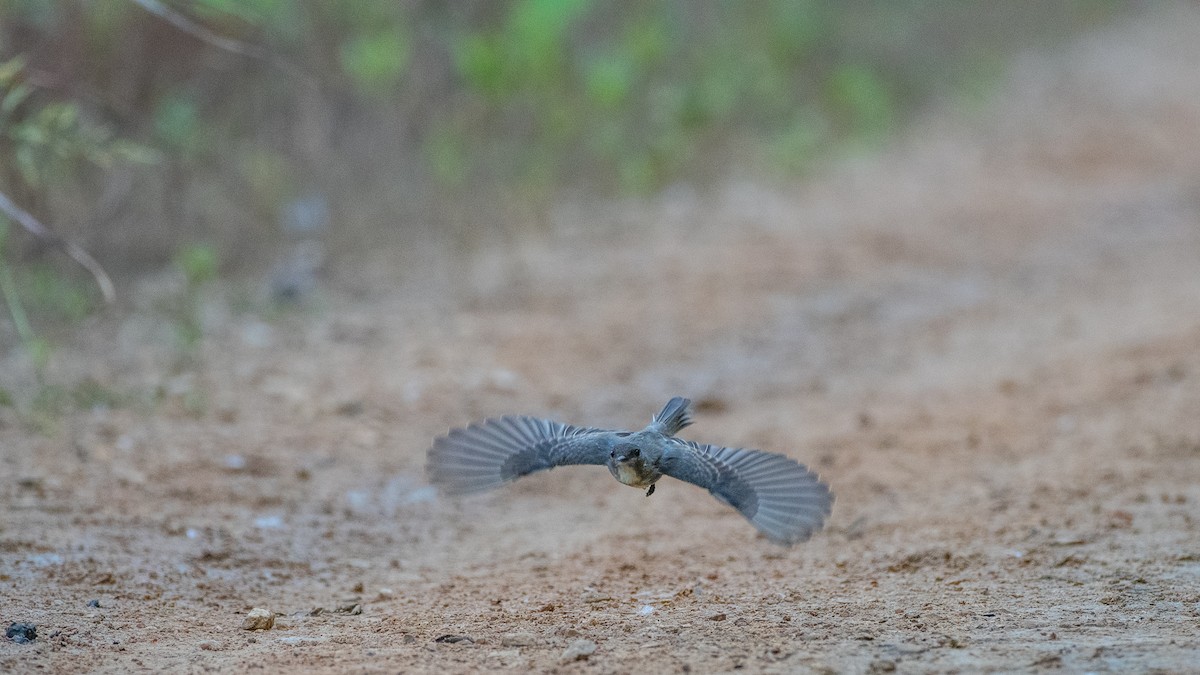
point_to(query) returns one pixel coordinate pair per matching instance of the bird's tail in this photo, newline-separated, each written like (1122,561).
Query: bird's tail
(675,415)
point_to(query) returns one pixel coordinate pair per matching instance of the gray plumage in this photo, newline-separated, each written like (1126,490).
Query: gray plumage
(778,495)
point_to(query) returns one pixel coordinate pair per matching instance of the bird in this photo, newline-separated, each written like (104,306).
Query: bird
(786,501)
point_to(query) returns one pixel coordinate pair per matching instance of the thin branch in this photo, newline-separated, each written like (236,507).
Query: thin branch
(85,260)
(208,36)
(186,25)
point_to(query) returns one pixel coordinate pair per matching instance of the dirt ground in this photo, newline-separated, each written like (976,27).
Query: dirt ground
(986,338)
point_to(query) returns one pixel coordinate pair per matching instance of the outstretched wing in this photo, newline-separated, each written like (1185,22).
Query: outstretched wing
(778,495)
(488,454)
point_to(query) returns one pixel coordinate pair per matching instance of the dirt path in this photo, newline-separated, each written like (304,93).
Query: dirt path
(987,340)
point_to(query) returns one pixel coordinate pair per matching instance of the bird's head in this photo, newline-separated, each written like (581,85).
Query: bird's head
(626,453)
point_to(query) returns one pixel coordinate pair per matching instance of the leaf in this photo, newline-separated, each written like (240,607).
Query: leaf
(27,165)
(15,96)
(177,121)
(198,263)
(376,62)
(863,97)
(29,134)
(480,62)
(446,156)
(65,115)
(11,68)
(610,81)
(39,350)
(135,153)
(536,35)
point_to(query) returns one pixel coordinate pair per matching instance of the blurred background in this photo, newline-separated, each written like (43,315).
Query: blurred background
(256,254)
(260,137)
(141,127)
(437,149)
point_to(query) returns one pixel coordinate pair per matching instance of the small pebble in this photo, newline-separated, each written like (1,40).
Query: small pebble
(258,619)
(350,408)
(21,633)
(453,639)
(93,603)
(268,522)
(211,646)
(578,650)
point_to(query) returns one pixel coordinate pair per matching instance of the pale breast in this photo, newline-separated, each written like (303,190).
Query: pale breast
(631,476)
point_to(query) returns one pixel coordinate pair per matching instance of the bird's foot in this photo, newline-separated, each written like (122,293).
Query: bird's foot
(650,491)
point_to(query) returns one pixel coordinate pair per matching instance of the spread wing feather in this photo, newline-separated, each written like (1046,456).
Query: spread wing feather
(777,494)
(488,454)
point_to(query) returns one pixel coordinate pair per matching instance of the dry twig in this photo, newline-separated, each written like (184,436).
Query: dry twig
(37,229)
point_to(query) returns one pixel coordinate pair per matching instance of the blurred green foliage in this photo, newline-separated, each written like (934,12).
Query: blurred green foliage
(482,95)
(44,143)
(50,293)
(44,410)
(48,140)
(630,96)
(376,61)
(198,265)
(176,120)
(244,106)
(36,346)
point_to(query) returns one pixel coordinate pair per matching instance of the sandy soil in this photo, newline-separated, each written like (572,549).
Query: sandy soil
(987,339)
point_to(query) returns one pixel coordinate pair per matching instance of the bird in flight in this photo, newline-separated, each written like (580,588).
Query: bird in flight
(778,495)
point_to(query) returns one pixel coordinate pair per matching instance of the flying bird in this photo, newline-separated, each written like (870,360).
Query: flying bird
(778,495)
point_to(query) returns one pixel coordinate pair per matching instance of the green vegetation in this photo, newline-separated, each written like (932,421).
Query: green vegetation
(50,141)
(612,96)
(48,145)
(198,264)
(36,346)
(173,121)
